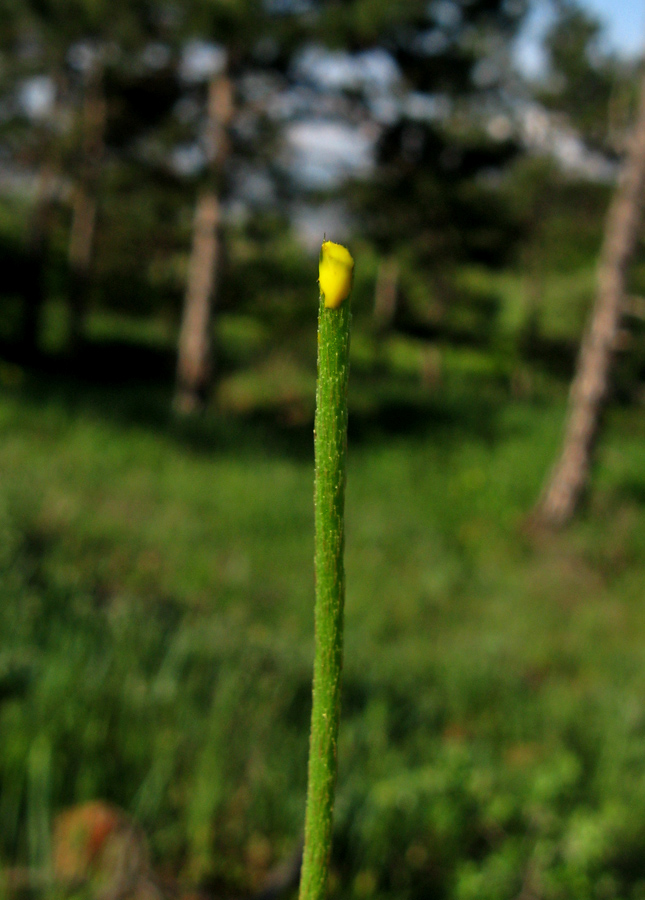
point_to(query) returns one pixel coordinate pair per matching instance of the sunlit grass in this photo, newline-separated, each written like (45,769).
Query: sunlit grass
(156,625)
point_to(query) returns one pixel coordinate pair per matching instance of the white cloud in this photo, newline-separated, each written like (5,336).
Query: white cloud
(322,153)
(372,70)
(36,96)
(201,60)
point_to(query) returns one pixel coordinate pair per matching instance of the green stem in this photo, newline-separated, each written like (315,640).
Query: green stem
(331,456)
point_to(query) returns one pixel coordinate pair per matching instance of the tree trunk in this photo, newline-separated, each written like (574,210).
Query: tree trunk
(194,362)
(84,203)
(34,280)
(385,294)
(591,382)
(80,259)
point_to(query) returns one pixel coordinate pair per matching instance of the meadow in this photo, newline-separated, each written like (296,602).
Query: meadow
(157,622)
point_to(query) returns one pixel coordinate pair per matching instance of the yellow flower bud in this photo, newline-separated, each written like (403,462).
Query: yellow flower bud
(335,271)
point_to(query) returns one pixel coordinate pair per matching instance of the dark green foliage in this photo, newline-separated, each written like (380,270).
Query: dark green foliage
(437,198)
(591,88)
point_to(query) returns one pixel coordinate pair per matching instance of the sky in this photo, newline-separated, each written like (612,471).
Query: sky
(625,20)
(623,25)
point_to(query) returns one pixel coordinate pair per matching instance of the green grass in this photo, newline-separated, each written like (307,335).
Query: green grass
(157,638)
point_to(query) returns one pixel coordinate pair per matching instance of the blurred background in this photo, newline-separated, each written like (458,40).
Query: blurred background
(167,173)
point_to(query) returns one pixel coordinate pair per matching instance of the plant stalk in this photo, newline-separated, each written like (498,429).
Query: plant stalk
(331,456)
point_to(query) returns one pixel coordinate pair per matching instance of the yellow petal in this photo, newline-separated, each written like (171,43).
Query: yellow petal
(335,271)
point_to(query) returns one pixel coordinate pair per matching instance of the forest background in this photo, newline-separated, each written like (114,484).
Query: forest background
(167,173)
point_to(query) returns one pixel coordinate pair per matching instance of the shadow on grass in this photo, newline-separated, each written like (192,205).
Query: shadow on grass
(132,383)
(632,489)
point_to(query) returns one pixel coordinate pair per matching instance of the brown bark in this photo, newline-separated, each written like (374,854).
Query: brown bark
(34,286)
(84,202)
(591,382)
(194,362)
(385,294)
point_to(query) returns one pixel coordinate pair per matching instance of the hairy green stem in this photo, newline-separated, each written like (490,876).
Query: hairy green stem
(331,456)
